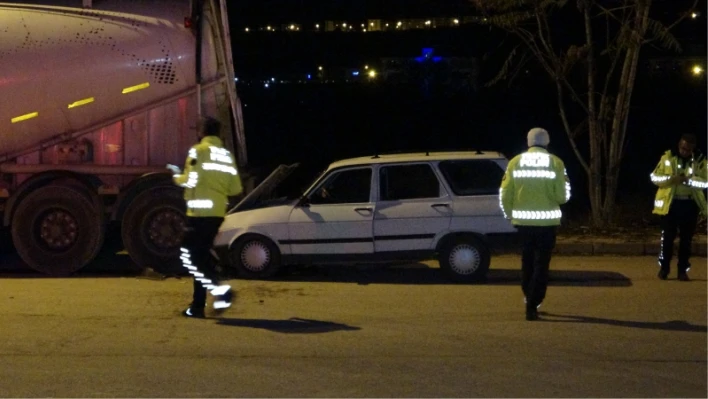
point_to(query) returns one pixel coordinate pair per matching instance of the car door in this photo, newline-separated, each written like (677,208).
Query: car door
(475,184)
(336,217)
(412,208)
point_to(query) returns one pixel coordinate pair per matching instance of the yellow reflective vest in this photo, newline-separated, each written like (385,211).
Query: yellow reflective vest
(209,178)
(670,166)
(533,188)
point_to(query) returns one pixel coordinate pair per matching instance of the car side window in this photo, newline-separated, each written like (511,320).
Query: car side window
(400,182)
(346,187)
(479,177)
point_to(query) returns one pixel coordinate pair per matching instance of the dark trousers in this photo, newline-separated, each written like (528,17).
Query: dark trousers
(538,243)
(196,255)
(682,216)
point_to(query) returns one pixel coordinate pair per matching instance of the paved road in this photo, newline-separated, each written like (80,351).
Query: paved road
(610,328)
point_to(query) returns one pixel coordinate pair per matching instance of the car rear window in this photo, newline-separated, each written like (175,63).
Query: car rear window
(473,177)
(402,182)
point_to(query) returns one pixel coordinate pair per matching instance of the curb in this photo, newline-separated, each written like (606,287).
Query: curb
(698,248)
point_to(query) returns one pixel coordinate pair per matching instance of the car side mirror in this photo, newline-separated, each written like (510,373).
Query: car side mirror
(304,202)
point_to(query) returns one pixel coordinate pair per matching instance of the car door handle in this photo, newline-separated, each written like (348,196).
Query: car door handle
(363,209)
(439,205)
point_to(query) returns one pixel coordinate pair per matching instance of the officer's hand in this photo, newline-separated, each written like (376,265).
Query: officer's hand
(678,179)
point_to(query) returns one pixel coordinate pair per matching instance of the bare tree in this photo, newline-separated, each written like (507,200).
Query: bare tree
(595,76)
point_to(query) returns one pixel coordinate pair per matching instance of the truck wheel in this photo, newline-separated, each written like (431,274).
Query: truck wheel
(57,230)
(153,228)
(464,259)
(255,257)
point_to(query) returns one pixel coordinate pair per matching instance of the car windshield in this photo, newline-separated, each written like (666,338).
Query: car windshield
(294,186)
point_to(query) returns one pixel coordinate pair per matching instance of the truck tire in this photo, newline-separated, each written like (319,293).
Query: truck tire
(57,230)
(153,228)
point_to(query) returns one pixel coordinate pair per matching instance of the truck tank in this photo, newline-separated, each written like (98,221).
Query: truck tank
(66,69)
(96,100)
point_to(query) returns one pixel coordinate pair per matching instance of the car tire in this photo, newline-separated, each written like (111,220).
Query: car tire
(464,259)
(255,257)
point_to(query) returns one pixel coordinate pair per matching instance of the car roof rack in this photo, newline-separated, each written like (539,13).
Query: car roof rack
(378,154)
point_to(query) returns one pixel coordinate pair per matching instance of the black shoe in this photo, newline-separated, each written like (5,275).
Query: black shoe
(663,274)
(195,313)
(683,277)
(531,315)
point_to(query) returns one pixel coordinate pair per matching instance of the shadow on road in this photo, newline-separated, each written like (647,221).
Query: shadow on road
(293,325)
(422,274)
(672,325)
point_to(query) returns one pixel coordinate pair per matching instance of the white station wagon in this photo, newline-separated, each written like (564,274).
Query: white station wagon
(381,208)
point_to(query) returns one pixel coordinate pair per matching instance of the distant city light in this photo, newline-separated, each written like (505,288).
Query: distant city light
(366,67)
(267,85)
(694,15)
(292,27)
(272,79)
(387,25)
(344,25)
(362,25)
(697,70)
(268,27)
(364,30)
(309,76)
(371,24)
(372,74)
(247,30)
(317,26)
(355,73)
(456,21)
(319,68)
(399,23)
(235,79)
(427,22)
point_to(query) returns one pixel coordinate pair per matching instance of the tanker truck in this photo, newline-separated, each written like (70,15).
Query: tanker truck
(96,97)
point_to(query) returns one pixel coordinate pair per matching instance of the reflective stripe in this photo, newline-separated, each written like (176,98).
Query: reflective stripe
(536,215)
(219,167)
(538,174)
(658,203)
(697,184)
(217,150)
(192,180)
(220,158)
(667,162)
(200,204)
(501,204)
(658,179)
(192,153)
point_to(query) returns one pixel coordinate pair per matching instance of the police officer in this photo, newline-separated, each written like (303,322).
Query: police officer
(533,188)
(209,178)
(681,179)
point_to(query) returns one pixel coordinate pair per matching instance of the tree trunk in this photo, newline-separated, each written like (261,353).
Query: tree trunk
(594,132)
(625,89)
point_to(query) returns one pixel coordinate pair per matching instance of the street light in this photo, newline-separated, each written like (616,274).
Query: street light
(697,70)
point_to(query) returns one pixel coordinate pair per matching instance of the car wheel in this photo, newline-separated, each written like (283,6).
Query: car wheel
(255,257)
(464,259)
